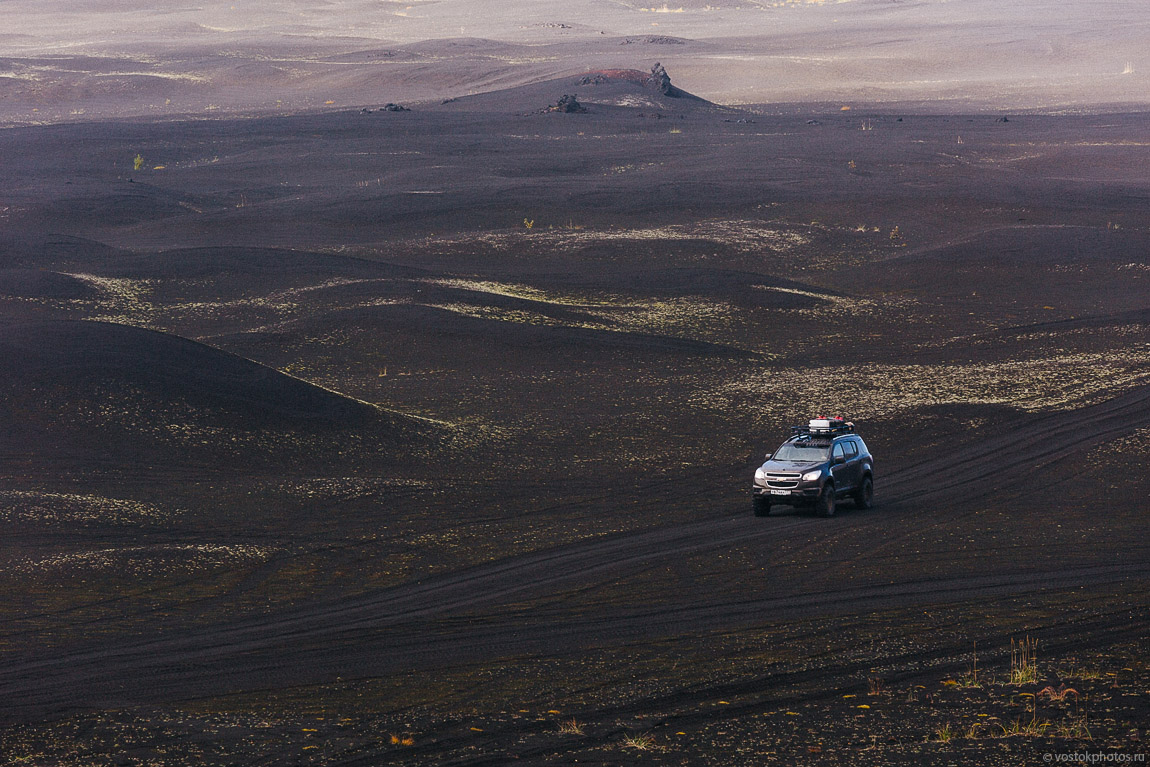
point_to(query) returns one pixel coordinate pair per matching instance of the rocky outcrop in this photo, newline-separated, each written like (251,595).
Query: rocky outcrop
(389,107)
(653,40)
(660,81)
(596,78)
(567,104)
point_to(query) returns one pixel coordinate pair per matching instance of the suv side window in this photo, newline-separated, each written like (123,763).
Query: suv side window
(852,449)
(838,453)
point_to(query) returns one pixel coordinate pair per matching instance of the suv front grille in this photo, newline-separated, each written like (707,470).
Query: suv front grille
(782,481)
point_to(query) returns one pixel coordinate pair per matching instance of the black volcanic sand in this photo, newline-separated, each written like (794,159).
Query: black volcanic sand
(413,437)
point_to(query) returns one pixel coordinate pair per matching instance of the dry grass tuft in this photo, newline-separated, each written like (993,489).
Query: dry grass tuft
(640,743)
(1035,728)
(1024,661)
(1076,727)
(1059,694)
(971,677)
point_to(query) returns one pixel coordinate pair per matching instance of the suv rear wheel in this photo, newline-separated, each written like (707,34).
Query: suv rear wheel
(825,505)
(864,495)
(762,506)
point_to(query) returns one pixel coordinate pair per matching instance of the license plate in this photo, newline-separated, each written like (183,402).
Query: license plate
(780,492)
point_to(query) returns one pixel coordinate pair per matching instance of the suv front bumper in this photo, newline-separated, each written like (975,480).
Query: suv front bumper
(805,492)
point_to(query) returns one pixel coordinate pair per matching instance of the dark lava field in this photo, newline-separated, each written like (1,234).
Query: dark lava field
(427,437)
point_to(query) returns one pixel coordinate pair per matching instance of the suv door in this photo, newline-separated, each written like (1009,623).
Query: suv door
(854,463)
(840,469)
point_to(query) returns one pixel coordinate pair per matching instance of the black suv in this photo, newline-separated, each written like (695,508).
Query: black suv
(819,465)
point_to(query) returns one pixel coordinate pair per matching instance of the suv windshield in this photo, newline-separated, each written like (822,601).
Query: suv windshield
(805,452)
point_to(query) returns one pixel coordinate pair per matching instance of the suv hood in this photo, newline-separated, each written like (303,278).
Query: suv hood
(800,467)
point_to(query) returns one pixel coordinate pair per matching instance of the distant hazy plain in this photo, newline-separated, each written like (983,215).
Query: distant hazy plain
(106,58)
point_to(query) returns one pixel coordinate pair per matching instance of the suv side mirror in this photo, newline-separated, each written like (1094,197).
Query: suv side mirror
(839,459)
(767,457)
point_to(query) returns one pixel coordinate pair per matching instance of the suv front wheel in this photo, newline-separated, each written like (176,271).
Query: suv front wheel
(762,506)
(825,505)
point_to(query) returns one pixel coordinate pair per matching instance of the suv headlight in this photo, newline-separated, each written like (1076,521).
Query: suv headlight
(760,475)
(811,476)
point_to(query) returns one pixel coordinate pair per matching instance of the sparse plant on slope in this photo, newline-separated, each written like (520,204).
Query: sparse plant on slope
(1076,727)
(974,731)
(1058,695)
(971,678)
(1035,728)
(945,734)
(639,742)
(1024,661)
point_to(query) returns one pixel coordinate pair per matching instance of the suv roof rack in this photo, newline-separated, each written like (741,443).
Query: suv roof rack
(824,427)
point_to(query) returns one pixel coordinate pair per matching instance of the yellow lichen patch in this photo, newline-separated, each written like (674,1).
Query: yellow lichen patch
(745,235)
(68,508)
(871,391)
(124,301)
(149,561)
(515,290)
(500,314)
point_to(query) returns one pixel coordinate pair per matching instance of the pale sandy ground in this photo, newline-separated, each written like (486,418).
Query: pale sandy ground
(104,59)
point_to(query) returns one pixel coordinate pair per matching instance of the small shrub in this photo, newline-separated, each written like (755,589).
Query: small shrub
(571,727)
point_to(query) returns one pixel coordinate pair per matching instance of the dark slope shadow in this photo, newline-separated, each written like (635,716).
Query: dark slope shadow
(1027,247)
(1007,343)
(38,252)
(1066,267)
(123,204)
(265,263)
(41,283)
(434,325)
(748,289)
(114,393)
